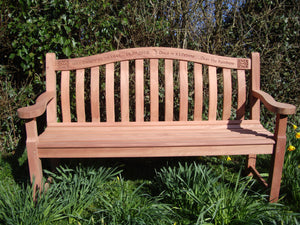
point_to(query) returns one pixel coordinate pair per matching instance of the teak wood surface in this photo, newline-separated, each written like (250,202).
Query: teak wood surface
(185,103)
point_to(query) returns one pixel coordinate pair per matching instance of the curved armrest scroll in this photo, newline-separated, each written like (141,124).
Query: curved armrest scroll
(272,105)
(38,108)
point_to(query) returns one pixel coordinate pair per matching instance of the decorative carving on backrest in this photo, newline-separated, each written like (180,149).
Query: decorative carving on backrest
(243,63)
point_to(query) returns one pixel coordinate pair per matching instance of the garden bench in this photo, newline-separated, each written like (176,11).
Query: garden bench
(155,102)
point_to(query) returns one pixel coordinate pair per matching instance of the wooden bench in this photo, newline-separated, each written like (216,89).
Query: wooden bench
(155,102)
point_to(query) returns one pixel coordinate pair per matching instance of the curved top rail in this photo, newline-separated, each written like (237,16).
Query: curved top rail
(152,53)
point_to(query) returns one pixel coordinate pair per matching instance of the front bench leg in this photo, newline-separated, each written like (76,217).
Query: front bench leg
(278,157)
(34,162)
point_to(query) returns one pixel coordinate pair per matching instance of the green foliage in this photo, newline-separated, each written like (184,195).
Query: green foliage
(187,194)
(11,98)
(121,203)
(202,197)
(177,181)
(291,171)
(65,202)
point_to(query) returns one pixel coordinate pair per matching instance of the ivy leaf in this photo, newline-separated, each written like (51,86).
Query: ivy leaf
(67,51)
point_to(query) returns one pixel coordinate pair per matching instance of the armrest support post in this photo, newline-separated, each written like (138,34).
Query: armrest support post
(278,157)
(31,130)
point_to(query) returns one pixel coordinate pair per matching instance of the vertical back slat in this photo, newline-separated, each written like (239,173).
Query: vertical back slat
(213,93)
(241,94)
(183,113)
(198,101)
(124,91)
(255,85)
(169,90)
(65,96)
(109,92)
(227,92)
(95,107)
(139,90)
(80,108)
(51,87)
(154,110)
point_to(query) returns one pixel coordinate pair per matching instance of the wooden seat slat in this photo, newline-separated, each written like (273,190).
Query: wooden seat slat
(95,107)
(80,105)
(169,90)
(198,99)
(65,96)
(98,137)
(227,91)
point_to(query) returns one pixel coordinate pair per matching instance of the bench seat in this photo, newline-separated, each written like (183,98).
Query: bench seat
(156,139)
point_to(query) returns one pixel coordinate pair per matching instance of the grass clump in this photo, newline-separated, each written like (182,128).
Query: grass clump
(65,202)
(121,202)
(203,197)
(291,169)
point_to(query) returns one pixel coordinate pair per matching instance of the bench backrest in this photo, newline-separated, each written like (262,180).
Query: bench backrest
(152,84)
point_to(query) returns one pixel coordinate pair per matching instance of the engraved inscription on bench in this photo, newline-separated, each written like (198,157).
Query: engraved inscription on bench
(157,52)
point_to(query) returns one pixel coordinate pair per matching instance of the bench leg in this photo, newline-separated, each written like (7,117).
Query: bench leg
(35,166)
(34,162)
(251,163)
(278,157)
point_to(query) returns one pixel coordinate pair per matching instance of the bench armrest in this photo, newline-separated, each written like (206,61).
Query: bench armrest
(38,108)
(272,105)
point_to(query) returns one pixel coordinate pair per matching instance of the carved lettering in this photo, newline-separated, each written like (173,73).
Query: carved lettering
(243,63)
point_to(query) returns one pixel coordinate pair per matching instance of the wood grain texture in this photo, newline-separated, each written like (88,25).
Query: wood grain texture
(272,105)
(143,136)
(80,105)
(227,92)
(124,91)
(38,108)
(169,90)
(65,96)
(198,104)
(139,90)
(184,92)
(178,151)
(213,93)
(51,87)
(255,85)
(95,99)
(241,105)
(278,156)
(110,92)
(154,100)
